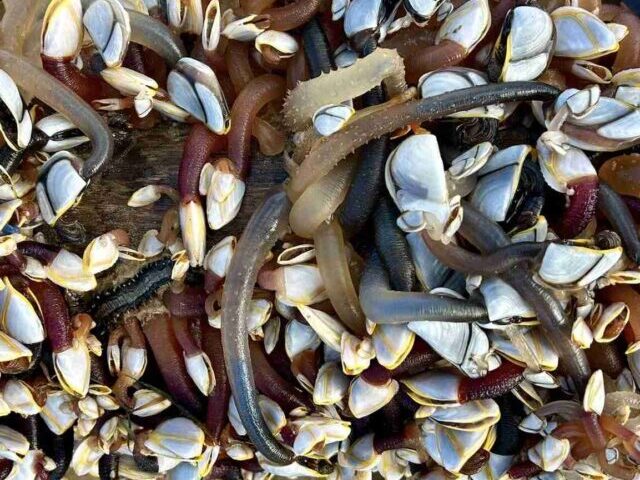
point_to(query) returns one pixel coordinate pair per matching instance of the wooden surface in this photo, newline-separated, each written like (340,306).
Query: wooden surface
(154,159)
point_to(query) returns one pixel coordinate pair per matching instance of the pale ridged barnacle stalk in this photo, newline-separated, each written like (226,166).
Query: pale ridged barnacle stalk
(17,136)
(456,78)
(498,180)
(582,35)
(194,87)
(60,185)
(575,265)
(524,47)
(415,179)
(63,135)
(107,22)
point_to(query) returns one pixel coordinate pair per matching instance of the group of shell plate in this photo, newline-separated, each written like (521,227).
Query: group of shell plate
(444,287)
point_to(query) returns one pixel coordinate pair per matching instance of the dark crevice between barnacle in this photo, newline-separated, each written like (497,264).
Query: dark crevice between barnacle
(107,306)
(529,198)
(613,207)
(392,247)
(368,180)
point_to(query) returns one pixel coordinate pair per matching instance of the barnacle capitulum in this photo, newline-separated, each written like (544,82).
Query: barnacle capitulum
(525,45)
(59,186)
(415,180)
(193,86)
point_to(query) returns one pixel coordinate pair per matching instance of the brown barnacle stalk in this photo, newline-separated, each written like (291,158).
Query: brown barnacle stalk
(196,361)
(293,15)
(168,355)
(62,33)
(199,146)
(270,383)
(258,93)
(218,399)
(69,338)
(185,300)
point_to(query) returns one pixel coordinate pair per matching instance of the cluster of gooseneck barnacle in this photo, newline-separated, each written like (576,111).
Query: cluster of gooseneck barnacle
(444,287)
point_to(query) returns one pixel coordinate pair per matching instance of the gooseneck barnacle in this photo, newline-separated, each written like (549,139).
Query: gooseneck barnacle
(443,287)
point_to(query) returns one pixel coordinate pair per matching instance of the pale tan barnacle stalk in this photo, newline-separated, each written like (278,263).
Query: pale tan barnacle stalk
(416,181)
